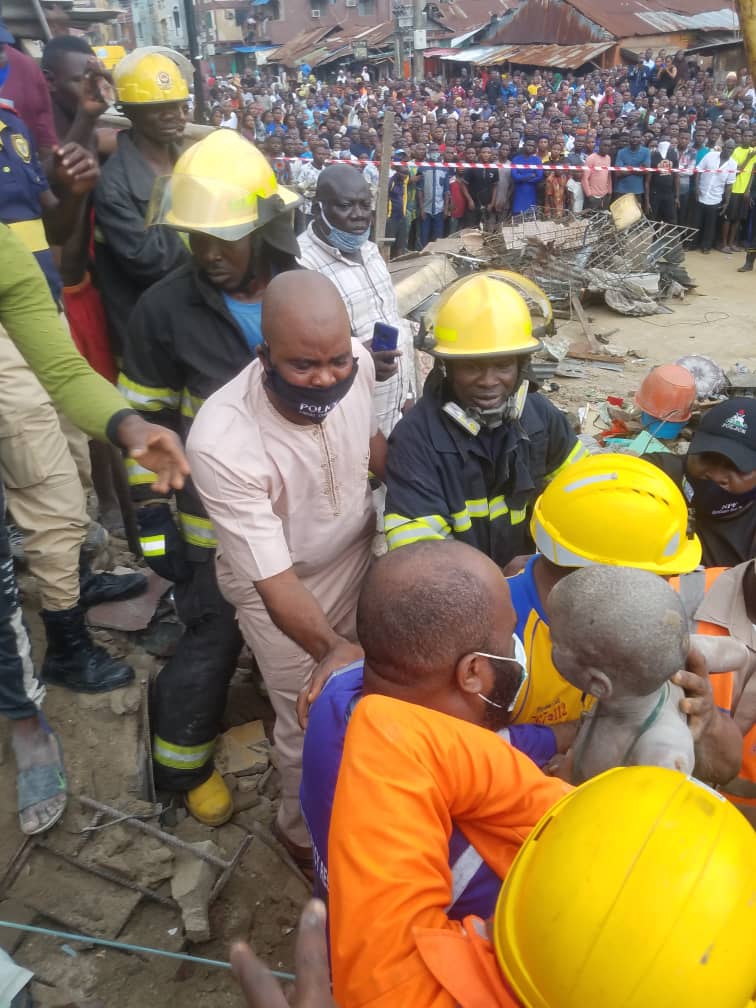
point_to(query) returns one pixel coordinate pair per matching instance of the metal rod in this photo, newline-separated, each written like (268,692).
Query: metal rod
(16,863)
(108,876)
(226,875)
(270,841)
(153,831)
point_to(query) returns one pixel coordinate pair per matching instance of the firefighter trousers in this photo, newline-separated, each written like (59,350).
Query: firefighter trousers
(190,692)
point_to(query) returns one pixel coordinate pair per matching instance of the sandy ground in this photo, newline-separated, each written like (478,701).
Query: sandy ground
(262,899)
(717,318)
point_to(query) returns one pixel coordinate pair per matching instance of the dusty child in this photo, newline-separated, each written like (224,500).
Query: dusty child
(620,634)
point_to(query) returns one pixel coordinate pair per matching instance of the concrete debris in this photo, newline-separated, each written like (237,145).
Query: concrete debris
(191,886)
(126,701)
(131,614)
(243,750)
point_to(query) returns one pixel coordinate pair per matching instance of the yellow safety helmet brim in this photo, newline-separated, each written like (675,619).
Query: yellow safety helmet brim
(619,510)
(146,77)
(483,316)
(222,186)
(637,889)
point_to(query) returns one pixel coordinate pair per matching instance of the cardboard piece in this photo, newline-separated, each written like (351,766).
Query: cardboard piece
(130,615)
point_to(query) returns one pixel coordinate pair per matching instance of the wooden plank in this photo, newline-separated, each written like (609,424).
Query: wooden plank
(381,199)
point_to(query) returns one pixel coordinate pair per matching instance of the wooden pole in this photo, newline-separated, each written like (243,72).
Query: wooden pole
(381,199)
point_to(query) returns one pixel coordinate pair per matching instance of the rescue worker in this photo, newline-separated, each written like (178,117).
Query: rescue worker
(400,580)
(722,602)
(621,511)
(31,327)
(42,484)
(471,458)
(280,458)
(718,478)
(636,889)
(129,256)
(190,333)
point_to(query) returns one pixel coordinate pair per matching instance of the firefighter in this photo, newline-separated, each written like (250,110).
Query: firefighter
(190,334)
(129,256)
(472,457)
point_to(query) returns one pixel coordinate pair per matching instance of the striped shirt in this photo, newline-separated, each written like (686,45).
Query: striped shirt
(365,286)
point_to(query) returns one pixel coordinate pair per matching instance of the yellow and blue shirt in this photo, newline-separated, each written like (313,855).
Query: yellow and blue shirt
(547,699)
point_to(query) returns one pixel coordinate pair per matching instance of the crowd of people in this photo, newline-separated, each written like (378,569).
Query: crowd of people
(539,613)
(513,129)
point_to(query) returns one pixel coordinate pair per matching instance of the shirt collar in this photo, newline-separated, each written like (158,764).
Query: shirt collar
(724,605)
(334,252)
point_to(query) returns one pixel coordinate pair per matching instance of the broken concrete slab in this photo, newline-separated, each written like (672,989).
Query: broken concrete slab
(243,750)
(16,912)
(130,615)
(80,901)
(191,885)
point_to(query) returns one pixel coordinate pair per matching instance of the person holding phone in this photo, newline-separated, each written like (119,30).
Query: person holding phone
(337,244)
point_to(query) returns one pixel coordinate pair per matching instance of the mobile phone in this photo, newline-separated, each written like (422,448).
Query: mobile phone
(385,337)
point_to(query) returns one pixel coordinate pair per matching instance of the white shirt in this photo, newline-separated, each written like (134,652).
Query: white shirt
(575,187)
(711,184)
(365,286)
(231,123)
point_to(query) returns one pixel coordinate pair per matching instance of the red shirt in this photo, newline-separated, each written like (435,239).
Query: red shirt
(26,87)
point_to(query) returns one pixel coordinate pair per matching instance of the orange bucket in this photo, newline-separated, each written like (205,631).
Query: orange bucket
(668,392)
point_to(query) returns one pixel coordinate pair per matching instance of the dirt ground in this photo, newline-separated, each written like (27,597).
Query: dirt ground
(104,749)
(717,319)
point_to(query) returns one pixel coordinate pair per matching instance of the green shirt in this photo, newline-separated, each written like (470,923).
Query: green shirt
(30,317)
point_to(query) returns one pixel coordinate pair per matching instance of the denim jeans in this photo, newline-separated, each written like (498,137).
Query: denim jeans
(431,228)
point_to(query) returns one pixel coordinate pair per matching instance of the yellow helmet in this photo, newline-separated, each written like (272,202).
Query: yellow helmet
(637,889)
(615,509)
(149,78)
(486,315)
(221,186)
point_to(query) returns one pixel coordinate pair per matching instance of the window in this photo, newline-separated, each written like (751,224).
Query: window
(366,8)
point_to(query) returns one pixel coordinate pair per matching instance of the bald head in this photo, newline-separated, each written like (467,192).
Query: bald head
(424,606)
(302,302)
(340,180)
(628,624)
(342,201)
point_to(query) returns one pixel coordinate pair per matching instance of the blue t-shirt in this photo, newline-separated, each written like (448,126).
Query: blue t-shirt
(248,316)
(475,887)
(627,158)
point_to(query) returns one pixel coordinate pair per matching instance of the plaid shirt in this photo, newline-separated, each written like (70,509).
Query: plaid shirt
(368,294)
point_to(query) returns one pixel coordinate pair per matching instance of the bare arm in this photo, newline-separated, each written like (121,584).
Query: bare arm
(378,453)
(297,613)
(717,738)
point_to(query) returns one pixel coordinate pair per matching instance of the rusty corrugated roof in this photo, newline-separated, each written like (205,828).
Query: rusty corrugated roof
(624,18)
(550,21)
(572,22)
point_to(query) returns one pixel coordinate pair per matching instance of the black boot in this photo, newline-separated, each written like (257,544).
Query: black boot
(747,266)
(74,660)
(96,588)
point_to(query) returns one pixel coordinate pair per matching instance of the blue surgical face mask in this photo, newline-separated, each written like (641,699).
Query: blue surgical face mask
(343,240)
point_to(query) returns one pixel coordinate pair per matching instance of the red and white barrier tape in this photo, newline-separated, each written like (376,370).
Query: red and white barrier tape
(528,164)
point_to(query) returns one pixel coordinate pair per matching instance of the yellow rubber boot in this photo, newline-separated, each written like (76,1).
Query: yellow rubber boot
(211,803)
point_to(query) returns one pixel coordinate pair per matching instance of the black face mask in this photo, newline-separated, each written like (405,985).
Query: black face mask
(313,403)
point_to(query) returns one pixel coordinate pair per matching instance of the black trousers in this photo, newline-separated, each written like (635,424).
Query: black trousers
(663,207)
(708,216)
(190,691)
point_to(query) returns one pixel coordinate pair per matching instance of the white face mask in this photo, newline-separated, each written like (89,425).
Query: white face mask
(521,659)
